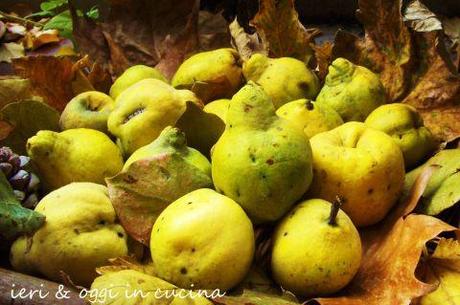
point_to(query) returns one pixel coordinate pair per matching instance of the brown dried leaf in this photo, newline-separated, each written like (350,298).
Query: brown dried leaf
(246,44)
(139,32)
(148,186)
(420,18)
(391,253)
(278,25)
(125,263)
(323,55)
(437,93)
(213,31)
(51,78)
(251,297)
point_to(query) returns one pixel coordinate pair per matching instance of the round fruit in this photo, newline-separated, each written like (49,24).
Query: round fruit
(351,90)
(362,165)
(80,234)
(74,155)
(316,249)
(202,240)
(87,110)
(310,116)
(405,125)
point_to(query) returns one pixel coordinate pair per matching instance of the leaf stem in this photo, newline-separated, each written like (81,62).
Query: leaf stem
(19,19)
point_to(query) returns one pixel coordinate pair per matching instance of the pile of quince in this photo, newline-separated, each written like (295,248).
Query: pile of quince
(315,162)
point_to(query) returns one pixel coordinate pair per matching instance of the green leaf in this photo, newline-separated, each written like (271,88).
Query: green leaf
(443,189)
(27,118)
(148,186)
(40,14)
(93,13)
(52,5)
(61,22)
(14,218)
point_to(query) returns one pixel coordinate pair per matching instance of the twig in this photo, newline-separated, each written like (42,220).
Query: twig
(19,19)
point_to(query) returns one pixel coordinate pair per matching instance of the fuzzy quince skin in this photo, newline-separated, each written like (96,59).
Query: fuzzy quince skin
(313,255)
(351,90)
(133,75)
(210,75)
(143,110)
(87,110)
(309,116)
(362,165)
(405,125)
(202,240)
(80,234)
(284,79)
(73,155)
(261,161)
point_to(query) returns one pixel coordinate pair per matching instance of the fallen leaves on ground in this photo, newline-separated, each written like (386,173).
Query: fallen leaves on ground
(147,187)
(246,44)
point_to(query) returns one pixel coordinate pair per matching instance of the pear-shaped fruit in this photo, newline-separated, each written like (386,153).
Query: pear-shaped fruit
(218,107)
(202,240)
(80,234)
(261,161)
(74,155)
(351,90)
(405,125)
(169,141)
(143,110)
(316,249)
(362,165)
(133,75)
(284,79)
(113,287)
(210,75)
(89,109)
(309,116)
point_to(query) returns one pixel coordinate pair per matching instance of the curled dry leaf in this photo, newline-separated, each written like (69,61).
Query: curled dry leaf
(10,50)
(278,25)
(246,44)
(443,267)
(125,263)
(420,18)
(323,54)
(391,253)
(148,186)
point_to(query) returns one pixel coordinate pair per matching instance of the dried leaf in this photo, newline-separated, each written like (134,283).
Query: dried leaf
(174,49)
(391,253)
(213,31)
(251,297)
(14,90)
(10,50)
(25,119)
(452,28)
(323,55)
(148,186)
(63,47)
(246,44)
(125,263)
(420,18)
(138,32)
(444,268)
(278,25)
(437,92)
(51,78)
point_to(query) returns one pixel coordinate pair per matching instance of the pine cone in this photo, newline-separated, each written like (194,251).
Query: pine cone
(25,184)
